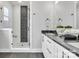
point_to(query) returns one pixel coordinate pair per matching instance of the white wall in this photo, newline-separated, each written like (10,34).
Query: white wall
(40,11)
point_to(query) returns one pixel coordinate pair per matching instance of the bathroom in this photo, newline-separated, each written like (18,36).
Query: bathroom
(21,23)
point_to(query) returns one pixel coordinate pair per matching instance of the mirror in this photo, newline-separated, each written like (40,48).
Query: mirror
(64,14)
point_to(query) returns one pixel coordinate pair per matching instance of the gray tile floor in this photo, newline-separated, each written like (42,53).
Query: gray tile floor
(21,55)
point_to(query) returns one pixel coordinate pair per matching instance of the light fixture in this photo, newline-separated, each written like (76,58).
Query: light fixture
(56,2)
(19,1)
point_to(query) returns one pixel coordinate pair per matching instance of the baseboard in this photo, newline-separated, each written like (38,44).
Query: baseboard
(21,50)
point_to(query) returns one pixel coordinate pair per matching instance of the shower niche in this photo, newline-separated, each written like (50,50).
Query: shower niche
(24,23)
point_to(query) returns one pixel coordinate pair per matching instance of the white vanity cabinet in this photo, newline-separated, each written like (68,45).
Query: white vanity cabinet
(52,49)
(49,47)
(55,50)
(68,54)
(46,47)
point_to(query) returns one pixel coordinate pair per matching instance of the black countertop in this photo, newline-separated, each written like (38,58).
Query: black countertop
(60,41)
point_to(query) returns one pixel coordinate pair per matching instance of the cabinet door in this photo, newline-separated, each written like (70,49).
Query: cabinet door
(42,41)
(49,53)
(44,49)
(44,45)
(59,51)
(71,55)
(49,48)
(65,53)
(55,50)
(53,47)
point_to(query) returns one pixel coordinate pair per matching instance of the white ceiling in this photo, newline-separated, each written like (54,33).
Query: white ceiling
(21,3)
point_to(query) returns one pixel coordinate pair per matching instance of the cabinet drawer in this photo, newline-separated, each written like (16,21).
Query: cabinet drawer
(49,41)
(49,53)
(44,49)
(53,49)
(60,51)
(65,53)
(72,55)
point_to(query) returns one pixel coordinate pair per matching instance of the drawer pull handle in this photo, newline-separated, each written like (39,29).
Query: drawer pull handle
(62,54)
(48,41)
(48,51)
(68,57)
